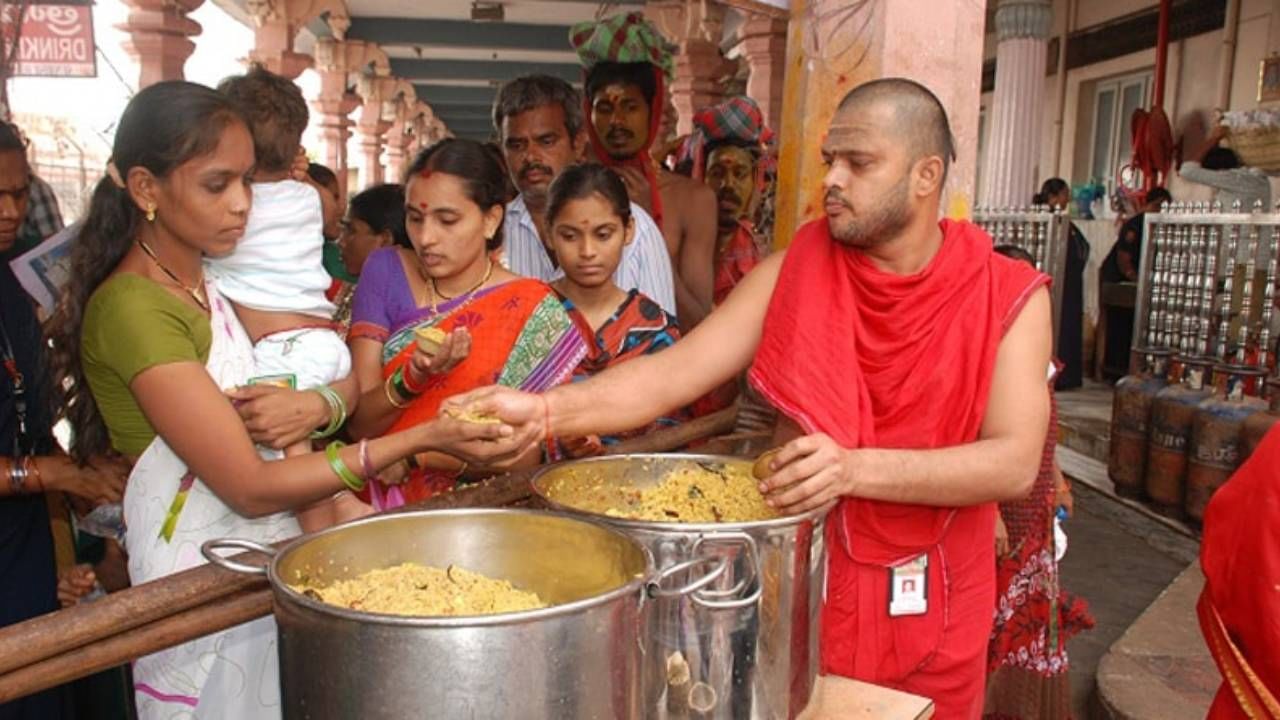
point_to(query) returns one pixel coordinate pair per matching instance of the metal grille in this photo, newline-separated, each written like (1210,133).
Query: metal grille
(1039,230)
(1207,283)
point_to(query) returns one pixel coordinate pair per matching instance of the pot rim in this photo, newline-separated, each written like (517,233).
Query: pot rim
(815,516)
(283,591)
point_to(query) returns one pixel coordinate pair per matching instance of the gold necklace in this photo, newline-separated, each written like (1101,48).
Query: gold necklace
(488,273)
(195,291)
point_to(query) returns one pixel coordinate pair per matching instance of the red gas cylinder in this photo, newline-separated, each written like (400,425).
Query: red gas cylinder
(1172,414)
(1257,425)
(1130,415)
(1216,433)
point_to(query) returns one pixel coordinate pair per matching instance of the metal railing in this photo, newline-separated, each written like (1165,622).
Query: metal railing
(1206,283)
(1042,232)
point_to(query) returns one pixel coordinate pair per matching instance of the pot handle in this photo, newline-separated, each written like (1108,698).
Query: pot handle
(209,546)
(716,599)
(656,590)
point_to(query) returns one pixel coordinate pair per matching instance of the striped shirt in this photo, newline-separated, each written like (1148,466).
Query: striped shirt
(645,264)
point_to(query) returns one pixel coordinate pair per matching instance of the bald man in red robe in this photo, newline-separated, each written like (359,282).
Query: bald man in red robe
(908,361)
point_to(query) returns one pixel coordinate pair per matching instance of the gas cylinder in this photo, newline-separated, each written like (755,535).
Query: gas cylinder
(1215,434)
(1172,413)
(1257,425)
(1130,415)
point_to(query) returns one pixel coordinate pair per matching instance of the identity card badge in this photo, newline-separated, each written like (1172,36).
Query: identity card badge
(908,587)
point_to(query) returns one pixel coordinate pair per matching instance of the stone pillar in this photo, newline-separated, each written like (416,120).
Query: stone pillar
(377,114)
(764,43)
(276,24)
(372,129)
(695,26)
(399,141)
(159,37)
(1013,146)
(335,62)
(938,44)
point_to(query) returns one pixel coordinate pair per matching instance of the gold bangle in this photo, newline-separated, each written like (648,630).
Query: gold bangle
(390,392)
(462,470)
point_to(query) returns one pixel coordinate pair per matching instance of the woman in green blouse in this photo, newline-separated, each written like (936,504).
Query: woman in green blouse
(154,356)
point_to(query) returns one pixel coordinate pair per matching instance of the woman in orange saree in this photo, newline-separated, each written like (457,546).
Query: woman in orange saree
(497,328)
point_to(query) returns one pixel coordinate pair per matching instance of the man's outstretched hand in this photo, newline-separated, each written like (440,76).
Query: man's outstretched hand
(527,414)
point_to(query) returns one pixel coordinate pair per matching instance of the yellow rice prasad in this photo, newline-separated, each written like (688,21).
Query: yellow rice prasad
(471,416)
(413,589)
(694,492)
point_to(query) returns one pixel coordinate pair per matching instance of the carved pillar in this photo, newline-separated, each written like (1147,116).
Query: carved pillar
(403,137)
(380,96)
(159,37)
(335,62)
(276,24)
(1013,147)
(695,26)
(764,43)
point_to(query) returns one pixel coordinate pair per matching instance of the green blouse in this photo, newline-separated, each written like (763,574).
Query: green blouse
(132,324)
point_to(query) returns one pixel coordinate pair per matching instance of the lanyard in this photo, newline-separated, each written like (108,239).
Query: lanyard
(19,385)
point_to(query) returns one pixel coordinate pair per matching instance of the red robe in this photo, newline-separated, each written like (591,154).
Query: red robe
(881,360)
(1240,607)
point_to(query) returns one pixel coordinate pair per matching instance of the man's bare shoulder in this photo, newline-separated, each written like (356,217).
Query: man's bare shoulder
(684,191)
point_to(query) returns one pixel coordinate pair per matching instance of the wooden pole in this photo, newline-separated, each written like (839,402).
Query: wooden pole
(94,657)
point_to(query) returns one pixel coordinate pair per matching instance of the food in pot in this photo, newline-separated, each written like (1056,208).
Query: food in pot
(430,339)
(694,492)
(414,589)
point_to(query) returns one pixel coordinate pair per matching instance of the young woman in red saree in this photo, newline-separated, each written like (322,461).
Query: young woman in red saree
(500,328)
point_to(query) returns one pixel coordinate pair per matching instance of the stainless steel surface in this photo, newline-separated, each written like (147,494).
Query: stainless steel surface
(580,659)
(744,647)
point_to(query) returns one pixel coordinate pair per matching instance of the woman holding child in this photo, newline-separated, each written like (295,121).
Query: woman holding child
(153,351)
(497,328)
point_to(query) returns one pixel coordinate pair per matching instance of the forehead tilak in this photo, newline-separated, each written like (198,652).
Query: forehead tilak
(842,137)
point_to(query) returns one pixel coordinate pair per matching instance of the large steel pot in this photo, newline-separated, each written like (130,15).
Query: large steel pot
(746,646)
(580,658)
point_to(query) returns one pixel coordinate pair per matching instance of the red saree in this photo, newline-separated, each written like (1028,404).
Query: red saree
(1240,607)
(520,337)
(881,360)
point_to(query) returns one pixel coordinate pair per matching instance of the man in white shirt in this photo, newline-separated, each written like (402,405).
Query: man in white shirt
(540,122)
(1220,168)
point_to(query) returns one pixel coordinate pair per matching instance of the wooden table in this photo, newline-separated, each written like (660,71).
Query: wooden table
(844,699)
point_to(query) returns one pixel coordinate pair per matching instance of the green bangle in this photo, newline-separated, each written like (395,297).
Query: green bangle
(337,412)
(397,382)
(350,479)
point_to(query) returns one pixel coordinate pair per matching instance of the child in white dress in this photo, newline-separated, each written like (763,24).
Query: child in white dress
(276,277)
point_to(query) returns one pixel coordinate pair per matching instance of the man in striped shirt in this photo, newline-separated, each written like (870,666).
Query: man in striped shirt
(540,120)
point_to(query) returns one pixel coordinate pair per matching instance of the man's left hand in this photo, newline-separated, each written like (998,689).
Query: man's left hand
(807,473)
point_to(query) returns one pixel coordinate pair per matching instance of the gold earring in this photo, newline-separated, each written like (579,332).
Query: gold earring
(151,213)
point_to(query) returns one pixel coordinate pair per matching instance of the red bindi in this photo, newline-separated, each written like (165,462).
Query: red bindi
(423,206)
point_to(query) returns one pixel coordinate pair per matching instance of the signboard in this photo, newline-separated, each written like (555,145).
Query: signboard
(56,40)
